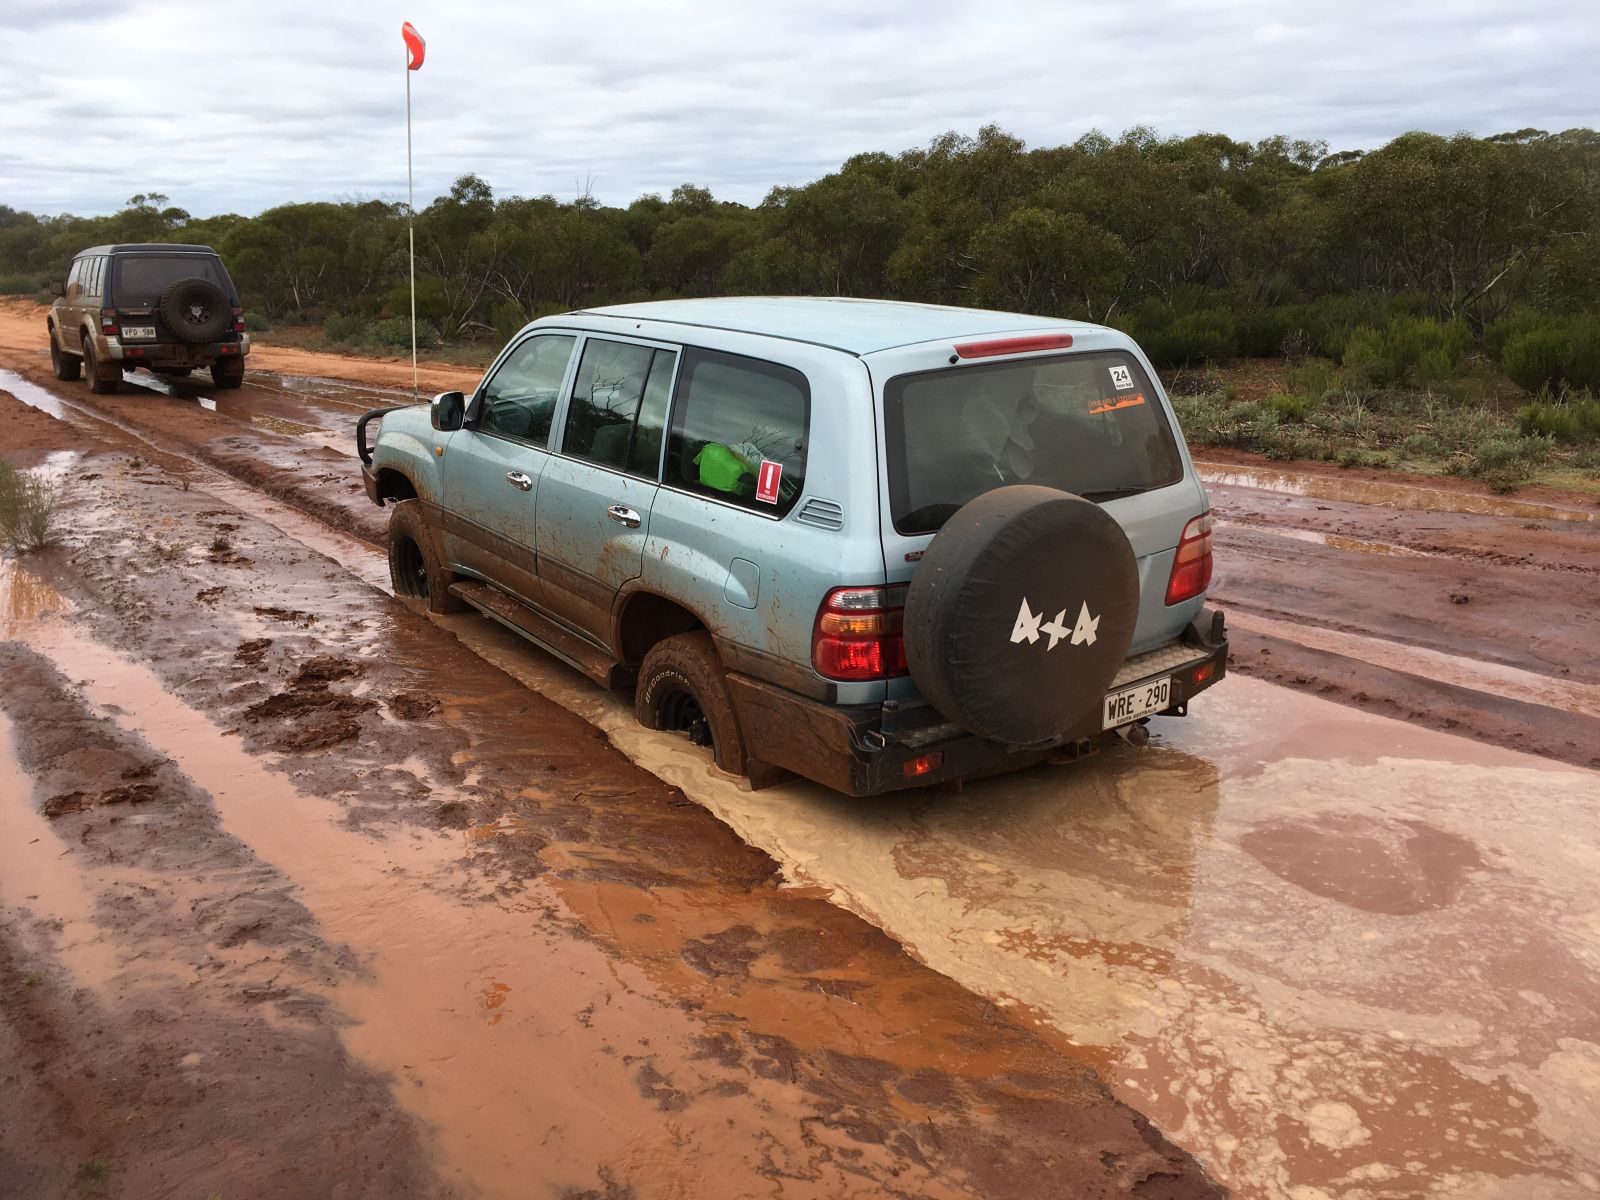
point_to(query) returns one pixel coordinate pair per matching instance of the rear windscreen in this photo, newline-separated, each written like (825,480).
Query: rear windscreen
(141,278)
(1084,423)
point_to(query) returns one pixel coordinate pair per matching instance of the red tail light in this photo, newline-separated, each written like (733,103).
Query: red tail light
(238,320)
(108,320)
(858,635)
(1191,566)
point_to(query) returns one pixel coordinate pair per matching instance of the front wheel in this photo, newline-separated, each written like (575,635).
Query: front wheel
(420,578)
(682,689)
(67,367)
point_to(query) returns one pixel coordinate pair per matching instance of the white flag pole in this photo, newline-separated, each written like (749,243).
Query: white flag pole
(411,231)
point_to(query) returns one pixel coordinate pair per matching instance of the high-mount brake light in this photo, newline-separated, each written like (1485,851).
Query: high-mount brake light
(1191,565)
(858,635)
(1013,345)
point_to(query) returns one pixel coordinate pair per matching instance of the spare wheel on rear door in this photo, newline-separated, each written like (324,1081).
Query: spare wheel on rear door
(1021,612)
(195,310)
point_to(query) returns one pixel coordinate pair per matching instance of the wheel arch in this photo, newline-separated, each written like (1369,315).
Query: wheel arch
(644,618)
(395,484)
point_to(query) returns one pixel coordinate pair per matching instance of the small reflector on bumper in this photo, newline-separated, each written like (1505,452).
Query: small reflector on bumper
(1206,672)
(923,764)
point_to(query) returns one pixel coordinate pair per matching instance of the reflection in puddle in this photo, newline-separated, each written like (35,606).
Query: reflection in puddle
(1411,497)
(1333,541)
(31,394)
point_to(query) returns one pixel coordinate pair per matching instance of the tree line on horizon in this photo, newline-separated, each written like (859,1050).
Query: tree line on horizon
(1204,247)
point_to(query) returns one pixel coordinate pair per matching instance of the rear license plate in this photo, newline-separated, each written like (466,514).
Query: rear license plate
(141,332)
(1140,700)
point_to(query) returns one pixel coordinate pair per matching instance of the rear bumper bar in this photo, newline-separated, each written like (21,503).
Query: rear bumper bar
(867,750)
(168,354)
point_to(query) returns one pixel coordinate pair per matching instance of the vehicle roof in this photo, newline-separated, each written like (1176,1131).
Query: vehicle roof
(855,326)
(151,247)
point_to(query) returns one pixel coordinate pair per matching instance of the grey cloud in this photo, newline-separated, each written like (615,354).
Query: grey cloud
(642,95)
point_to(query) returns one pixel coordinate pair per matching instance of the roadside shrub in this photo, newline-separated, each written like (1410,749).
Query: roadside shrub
(1421,446)
(1507,461)
(394,334)
(257,321)
(27,505)
(1313,380)
(1574,420)
(340,328)
(1555,354)
(1521,319)
(1290,408)
(1263,333)
(22,284)
(1408,350)
(1196,337)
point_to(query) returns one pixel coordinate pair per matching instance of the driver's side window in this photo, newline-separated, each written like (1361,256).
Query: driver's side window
(519,400)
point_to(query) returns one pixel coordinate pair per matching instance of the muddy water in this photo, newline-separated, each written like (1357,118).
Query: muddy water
(1405,496)
(1329,953)
(481,1007)
(1488,677)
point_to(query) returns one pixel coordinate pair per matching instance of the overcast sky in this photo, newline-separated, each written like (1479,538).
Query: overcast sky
(239,106)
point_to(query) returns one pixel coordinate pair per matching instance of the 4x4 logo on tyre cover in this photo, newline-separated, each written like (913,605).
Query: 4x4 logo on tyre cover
(1030,625)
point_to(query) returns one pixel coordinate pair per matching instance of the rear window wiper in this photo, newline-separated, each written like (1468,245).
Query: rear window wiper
(1113,493)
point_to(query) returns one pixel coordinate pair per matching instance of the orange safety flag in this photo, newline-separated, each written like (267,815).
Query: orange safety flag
(416,48)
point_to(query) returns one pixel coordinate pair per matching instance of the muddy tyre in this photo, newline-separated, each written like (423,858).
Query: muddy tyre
(228,373)
(1020,614)
(103,379)
(683,689)
(67,367)
(416,568)
(195,310)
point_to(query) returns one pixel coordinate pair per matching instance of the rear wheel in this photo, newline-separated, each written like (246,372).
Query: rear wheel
(683,689)
(228,374)
(102,379)
(66,366)
(418,573)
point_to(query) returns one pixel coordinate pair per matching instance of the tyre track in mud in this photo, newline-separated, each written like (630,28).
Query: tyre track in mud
(709,994)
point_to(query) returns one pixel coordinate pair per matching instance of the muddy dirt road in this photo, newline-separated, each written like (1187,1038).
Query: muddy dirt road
(279,856)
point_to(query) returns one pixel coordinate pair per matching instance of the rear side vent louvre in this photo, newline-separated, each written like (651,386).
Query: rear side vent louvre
(824,514)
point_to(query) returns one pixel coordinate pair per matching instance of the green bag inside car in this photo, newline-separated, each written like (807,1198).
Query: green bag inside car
(722,469)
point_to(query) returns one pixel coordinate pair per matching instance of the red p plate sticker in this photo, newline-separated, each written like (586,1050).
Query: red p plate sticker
(767,480)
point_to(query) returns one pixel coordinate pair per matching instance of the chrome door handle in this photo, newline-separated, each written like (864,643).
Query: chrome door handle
(519,480)
(623,516)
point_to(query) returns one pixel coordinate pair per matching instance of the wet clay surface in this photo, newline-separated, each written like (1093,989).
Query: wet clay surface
(1330,954)
(283,838)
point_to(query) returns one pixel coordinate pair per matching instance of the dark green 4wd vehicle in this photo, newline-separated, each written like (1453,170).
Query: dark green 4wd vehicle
(167,308)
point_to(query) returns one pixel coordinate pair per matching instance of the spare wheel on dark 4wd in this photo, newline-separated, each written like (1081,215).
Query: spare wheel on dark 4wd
(195,310)
(1021,612)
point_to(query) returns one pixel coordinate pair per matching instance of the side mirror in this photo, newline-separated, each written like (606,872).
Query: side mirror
(58,288)
(447,410)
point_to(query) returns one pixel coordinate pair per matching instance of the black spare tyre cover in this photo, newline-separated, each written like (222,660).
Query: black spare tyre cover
(195,310)
(1021,612)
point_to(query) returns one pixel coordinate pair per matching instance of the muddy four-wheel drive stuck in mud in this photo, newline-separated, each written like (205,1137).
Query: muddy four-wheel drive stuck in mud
(513,837)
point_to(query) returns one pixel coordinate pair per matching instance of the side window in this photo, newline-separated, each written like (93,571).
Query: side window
(739,431)
(97,268)
(619,406)
(519,400)
(75,276)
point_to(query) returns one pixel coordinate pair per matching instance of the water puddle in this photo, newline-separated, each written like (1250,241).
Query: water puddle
(1276,992)
(1476,675)
(1411,497)
(501,1028)
(1333,541)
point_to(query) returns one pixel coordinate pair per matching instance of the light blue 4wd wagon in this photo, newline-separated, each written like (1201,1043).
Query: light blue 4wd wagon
(875,544)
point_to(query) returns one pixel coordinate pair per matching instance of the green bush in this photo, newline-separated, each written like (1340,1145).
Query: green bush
(394,333)
(1313,380)
(1507,461)
(1421,446)
(1408,350)
(1290,408)
(1521,319)
(27,505)
(257,321)
(1574,420)
(22,284)
(1263,333)
(1192,339)
(341,329)
(1555,354)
